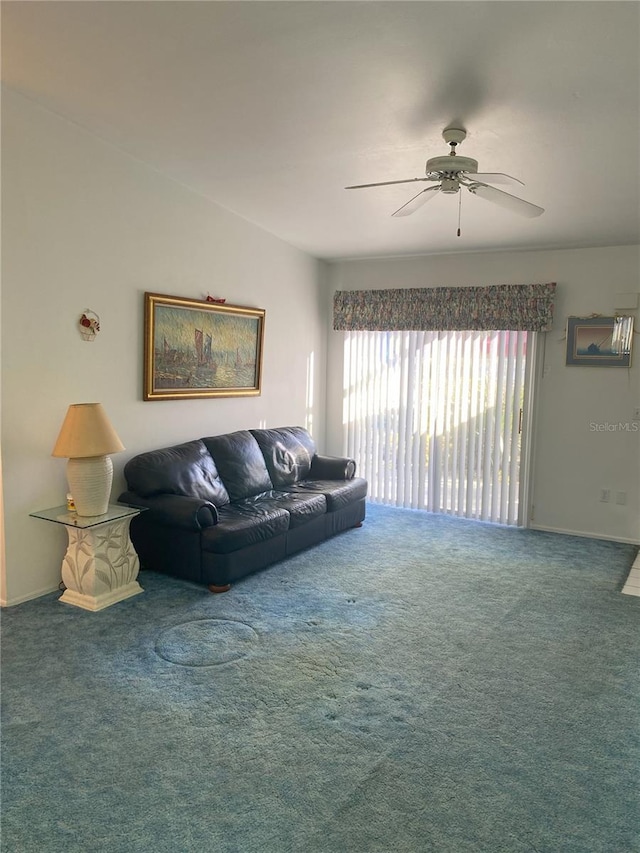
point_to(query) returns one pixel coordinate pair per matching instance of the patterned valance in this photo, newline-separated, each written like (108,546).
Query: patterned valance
(527,307)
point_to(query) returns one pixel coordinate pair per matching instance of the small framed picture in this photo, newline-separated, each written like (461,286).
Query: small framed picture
(599,341)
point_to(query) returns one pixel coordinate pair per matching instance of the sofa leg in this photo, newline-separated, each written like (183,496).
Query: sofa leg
(214,588)
(359,524)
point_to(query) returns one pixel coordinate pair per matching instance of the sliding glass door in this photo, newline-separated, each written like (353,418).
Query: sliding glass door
(434,419)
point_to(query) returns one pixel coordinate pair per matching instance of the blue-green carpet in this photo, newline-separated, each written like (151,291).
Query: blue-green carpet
(421,684)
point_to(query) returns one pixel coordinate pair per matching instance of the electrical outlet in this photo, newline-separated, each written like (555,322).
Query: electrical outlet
(621,498)
(605,495)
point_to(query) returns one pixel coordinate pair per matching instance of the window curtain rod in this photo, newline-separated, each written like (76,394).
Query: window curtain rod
(516,307)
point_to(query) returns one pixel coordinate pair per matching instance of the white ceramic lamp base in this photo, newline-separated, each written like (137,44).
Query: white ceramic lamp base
(90,480)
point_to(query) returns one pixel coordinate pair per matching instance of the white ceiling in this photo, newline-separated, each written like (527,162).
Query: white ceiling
(271,108)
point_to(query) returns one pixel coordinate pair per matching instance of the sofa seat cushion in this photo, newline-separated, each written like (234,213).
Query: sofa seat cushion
(301,506)
(338,493)
(240,526)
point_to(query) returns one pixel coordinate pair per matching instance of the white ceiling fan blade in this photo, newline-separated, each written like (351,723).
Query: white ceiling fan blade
(386,183)
(417,201)
(509,202)
(493,178)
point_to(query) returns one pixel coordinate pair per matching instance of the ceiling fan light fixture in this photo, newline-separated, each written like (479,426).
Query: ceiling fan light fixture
(449,186)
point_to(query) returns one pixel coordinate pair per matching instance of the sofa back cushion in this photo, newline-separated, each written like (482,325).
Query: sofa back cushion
(185,469)
(240,463)
(288,452)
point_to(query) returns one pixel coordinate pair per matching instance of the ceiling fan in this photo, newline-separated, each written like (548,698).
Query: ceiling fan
(452,172)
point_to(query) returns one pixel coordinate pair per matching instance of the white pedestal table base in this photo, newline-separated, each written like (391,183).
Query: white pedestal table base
(100,566)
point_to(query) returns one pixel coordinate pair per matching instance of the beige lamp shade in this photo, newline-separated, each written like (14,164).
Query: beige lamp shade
(86,431)
(86,437)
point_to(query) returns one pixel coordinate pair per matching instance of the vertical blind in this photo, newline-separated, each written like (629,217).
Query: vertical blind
(433,418)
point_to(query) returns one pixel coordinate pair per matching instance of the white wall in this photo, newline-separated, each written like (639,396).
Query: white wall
(85,226)
(572,461)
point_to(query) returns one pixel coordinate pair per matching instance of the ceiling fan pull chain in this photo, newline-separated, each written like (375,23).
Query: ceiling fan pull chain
(459,210)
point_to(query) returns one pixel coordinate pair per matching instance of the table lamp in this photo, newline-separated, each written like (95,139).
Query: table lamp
(85,439)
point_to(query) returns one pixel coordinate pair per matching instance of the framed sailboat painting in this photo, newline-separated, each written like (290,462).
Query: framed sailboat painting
(599,341)
(196,348)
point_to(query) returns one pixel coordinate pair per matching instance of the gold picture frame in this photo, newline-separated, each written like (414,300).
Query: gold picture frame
(194,348)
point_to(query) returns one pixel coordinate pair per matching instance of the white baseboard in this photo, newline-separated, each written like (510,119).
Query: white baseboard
(29,597)
(582,533)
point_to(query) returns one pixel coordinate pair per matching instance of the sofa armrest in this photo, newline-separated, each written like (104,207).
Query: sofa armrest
(175,510)
(332,468)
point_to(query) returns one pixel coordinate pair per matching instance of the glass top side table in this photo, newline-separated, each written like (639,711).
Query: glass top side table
(100,566)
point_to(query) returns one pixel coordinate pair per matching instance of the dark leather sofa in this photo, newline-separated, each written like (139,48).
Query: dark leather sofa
(222,507)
